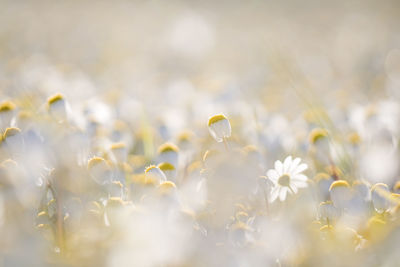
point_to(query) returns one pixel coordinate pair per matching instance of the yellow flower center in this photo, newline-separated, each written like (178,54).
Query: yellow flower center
(284,180)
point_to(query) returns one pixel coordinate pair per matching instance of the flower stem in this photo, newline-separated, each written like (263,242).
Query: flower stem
(59,220)
(226,144)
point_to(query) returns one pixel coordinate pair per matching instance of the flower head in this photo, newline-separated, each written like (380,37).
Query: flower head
(219,127)
(119,152)
(287,177)
(57,107)
(99,170)
(340,193)
(168,169)
(380,196)
(154,173)
(7,112)
(168,152)
(317,134)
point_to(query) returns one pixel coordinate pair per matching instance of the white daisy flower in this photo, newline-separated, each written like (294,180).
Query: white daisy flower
(169,153)
(219,127)
(287,177)
(119,152)
(380,196)
(328,212)
(340,193)
(58,107)
(99,170)
(155,174)
(7,113)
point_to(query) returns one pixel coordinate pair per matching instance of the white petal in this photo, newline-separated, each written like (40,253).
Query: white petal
(299,177)
(294,188)
(279,167)
(295,163)
(272,175)
(302,167)
(282,193)
(274,194)
(300,184)
(287,163)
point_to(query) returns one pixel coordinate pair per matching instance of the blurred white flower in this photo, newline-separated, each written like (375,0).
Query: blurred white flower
(219,127)
(340,193)
(99,170)
(169,153)
(328,211)
(58,107)
(287,177)
(191,35)
(119,152)
(154,174)
(379,163)
(169,170)
(7,113)
(380,196)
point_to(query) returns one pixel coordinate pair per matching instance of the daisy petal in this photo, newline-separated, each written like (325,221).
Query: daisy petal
(279,167)
(274,194)
(295,163)
(273,175)
(299,177)
(302,167)
(282,194)
(300,184)
(294,188)
(287,163)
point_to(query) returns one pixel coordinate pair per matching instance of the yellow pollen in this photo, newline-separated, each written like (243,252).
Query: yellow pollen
(396,186)
(284,180)
(118,146)
(55,98)
(150,168)
(339,183)
(317,134)
(7,106)
(216,118)
(11,132)
(167,147)
(94,161)
(165,166)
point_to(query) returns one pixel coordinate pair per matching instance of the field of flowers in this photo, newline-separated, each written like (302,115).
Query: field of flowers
(199,133)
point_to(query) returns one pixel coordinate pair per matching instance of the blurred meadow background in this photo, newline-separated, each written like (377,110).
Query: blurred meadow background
(110,154)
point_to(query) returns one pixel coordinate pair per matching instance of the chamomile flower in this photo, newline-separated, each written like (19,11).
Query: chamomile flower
(328,212)
(13,140)
(340,193)
(168,152)
(287,177)
(396,187)
(169,170)
(319,140)
(7,113)
(380,196)
(58,107)
(99,170)
(219,127)
(119,152)
(153,173)
(323,182)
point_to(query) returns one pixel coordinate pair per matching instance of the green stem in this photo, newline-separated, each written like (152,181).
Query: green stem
(59,220)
